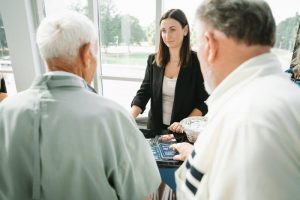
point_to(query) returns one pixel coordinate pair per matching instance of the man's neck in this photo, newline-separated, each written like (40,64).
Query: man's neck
(57,64)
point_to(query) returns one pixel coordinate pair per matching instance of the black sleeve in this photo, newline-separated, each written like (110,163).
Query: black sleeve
(144,93)
(3,86)
(201,94)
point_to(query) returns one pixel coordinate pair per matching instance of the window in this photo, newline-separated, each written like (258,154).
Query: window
(125,91)
(5,62)
(53,6)
(287,21)
(127,38)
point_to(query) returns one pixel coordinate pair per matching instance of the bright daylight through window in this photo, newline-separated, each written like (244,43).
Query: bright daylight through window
(128,36)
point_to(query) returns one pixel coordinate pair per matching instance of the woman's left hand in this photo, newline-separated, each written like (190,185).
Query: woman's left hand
(166,138)
(176,127)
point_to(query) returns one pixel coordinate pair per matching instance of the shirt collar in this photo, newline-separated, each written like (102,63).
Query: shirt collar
(61,73)
(59,79)
(263,64)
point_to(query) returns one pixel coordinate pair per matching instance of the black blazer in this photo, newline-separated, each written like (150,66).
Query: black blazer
(189,92)
(2,85)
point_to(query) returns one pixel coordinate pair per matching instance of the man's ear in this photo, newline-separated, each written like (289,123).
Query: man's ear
(85,54)
(212,46)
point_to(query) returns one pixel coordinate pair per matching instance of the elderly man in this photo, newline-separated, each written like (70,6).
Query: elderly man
(59,140)
(250,148)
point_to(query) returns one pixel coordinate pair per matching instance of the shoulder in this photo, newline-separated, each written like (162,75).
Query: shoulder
(194,58)
(24,101)
(109,108)
(193,63)
(193,53)
(151,57)
(269,97)
(151,62)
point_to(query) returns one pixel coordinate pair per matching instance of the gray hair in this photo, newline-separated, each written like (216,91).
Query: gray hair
(61,35)
(248,21)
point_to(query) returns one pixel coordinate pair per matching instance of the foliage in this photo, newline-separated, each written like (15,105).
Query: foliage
(131,31)
(150,34)
(3,43)
(109,23)
(79,8)
(286,32)
(116,29)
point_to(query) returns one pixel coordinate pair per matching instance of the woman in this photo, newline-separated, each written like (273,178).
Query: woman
(2,88)
(173,80)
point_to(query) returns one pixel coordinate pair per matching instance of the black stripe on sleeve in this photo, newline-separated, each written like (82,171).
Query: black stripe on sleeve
(193,154)
(196,174)
(187,164)
(192,188)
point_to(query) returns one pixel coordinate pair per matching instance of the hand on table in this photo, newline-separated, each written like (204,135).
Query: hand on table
(184,149)
(166,137)
(175,127)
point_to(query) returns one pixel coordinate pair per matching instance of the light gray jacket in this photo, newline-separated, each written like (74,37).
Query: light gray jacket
(59,141)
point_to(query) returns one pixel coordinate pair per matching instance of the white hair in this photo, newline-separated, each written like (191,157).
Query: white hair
(62,35)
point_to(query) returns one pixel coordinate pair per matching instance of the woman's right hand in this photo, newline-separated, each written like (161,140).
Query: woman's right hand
(135,111)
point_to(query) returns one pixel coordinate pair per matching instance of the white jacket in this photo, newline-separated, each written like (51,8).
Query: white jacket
(250,149)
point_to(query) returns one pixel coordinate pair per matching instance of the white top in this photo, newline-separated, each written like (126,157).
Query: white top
(250,148)
(168,93)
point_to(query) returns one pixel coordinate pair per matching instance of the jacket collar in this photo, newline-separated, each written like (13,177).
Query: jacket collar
(58,80)
(262,65)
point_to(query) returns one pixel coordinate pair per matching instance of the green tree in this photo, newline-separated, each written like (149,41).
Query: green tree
(114,28)
(137,32)
(79,8)
(286,32)
(3,42)
(131,31)
(110,23)
(150,33)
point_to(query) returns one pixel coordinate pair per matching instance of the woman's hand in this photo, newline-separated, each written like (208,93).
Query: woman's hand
(166,138)
(176,127)
(135,111)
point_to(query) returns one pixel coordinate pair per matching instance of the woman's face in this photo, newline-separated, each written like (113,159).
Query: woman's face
(172,32)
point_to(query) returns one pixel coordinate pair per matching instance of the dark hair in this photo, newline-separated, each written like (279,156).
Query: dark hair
(163,55)
(249,21)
